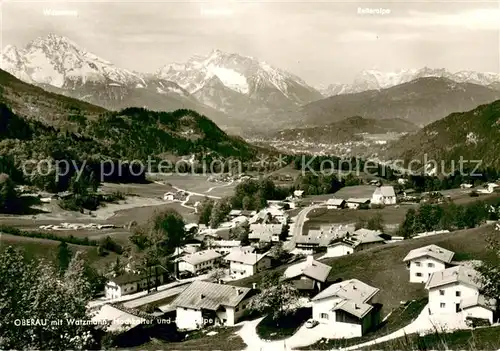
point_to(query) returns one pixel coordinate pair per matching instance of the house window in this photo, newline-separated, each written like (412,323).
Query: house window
(418,264)
(323,315)
(441,292)
(418,274)
(430,264)
(442,305)
(458,294)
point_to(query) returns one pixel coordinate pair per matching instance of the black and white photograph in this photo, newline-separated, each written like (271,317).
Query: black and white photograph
(249,175)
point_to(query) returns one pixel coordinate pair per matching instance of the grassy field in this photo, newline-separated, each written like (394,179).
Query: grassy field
(268,329)
(390,215)
(225,339)
(198,184)
(47,249)
(365,191)
(382,266)
(477,339)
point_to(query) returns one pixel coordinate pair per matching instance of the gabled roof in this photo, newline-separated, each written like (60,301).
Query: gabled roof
(210,296)
(365,236)
(120,321)
(457,274)
(354,308)
(385,190)
(335,202)
(478,300)
(310,268)
(352,289)
(131,277)
(357,200)
(201,256)
(235,212)
(245,257)
(433,251)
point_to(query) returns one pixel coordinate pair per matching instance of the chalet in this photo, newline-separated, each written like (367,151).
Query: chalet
(308,276)
(223,246)
(488,188)
(204,303)
(455,291)
(336,204)
(347,308)
(124,326)
(366,238)
(384,195)
(355,203)
(131,282)
(200,261)
(245,264)
(466,186)
(191,228)
(318,240)
(265,232)
(424,261)
(374,182)
(340,248)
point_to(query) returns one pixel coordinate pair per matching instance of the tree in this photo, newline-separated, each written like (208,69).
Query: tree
(205,211)
(489,270)
(407,228)
(375,223)
(8,195)
(277,298)
(34,290)
(219,212)
(63,256)
(217,274)
(279,253)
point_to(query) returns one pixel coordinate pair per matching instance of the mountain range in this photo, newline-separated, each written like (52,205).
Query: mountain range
(377,80)
(419,101)
(225,87)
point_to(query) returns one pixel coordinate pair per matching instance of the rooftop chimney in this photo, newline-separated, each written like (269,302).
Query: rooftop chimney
(309,259)
(202,296)
(356,306)
(254,285)
(239,291)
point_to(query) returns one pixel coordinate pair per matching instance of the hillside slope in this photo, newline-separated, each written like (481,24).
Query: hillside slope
(346,130)
(421,102)
(473,135)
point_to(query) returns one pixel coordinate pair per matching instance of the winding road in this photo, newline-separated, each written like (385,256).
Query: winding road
(298,227)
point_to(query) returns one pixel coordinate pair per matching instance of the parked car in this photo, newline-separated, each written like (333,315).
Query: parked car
(311,323)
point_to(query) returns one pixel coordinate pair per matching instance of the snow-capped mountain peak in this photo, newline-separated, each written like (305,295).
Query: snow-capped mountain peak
(372,79)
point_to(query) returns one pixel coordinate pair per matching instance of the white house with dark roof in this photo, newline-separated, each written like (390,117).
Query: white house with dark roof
(309,275)
(340,248)
(335,204)
(424,261)
(245,264)
(365,238)
(204,303)
(199,261)
(455,291)
(265,232)
(347,307)
(384,195)
(131,282)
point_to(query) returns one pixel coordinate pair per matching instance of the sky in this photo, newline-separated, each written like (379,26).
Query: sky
(323,42)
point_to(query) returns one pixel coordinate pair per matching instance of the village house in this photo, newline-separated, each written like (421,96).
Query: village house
(335,204)
(366,238)
(244,264)
(318,240)
(424,261)
(265,232)
(223,246)
(124,326)
(355,203)
(455,291)
(488,188)
(308,276)
(204,303)
(347,308)
(169,196)
(131,282)
(340,248)
(384,195)
(199,262)
(234,213)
